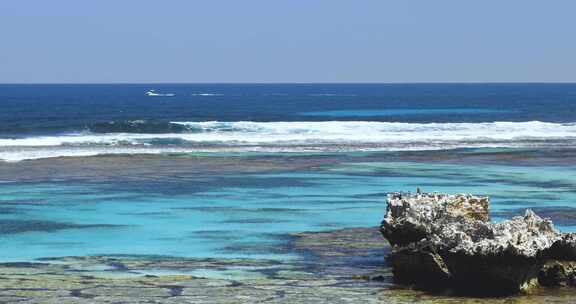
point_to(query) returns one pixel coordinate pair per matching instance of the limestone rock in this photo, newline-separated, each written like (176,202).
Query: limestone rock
(447,241)
(409,218)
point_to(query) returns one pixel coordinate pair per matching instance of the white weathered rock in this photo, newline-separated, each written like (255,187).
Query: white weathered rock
(447,240)
(525,236)
(411,217)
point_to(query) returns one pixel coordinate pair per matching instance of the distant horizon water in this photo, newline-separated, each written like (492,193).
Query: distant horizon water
(292,83)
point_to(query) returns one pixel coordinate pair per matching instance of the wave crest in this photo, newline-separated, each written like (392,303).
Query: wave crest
(295,136)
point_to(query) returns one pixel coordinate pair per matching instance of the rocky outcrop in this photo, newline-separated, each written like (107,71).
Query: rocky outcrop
(410,218)
(448,241)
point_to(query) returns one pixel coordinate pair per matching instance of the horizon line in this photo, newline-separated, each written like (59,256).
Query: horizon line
(300,83)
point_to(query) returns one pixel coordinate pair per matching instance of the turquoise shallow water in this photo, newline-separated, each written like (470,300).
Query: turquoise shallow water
(239,214)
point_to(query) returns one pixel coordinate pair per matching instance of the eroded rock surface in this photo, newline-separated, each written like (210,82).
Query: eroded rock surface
(447,241)
(410,218)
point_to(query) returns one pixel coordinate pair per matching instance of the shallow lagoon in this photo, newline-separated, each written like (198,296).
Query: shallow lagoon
(225,207)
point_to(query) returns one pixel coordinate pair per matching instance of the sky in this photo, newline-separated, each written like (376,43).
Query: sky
(145,41)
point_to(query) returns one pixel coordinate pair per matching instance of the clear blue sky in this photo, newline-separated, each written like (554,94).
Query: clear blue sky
(287,41)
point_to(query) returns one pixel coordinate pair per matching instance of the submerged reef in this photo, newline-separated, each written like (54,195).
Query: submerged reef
(332,270)
(339,266)
(447,242)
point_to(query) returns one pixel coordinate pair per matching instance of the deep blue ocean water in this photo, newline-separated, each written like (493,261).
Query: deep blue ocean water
(48,109)
(231,170)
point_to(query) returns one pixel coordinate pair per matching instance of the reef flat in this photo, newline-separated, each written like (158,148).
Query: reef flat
(341,266)
(204,229)
(326,273)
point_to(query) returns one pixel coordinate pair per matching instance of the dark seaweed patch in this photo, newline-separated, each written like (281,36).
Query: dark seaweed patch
(254,221)
(562,216)
(22,226)
(8,210)
(255,248)
(22,203)
(220,235)
(177,185)
(241,210)
(159,213)
(533,184)
(511,202)
(378,195)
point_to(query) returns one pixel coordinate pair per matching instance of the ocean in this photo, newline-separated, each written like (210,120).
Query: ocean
(40,121)
(229,171)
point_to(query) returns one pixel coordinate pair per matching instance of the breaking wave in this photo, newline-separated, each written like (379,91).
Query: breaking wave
(159,137)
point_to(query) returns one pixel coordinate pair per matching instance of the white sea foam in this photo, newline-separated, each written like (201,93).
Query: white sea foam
(337,132)
(207,94)
(294,137)
(29,153)
(331,95)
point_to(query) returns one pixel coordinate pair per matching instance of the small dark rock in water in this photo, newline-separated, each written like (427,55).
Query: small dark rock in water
(447,242)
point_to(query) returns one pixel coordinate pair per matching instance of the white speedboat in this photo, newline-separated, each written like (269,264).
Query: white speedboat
(153,93)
